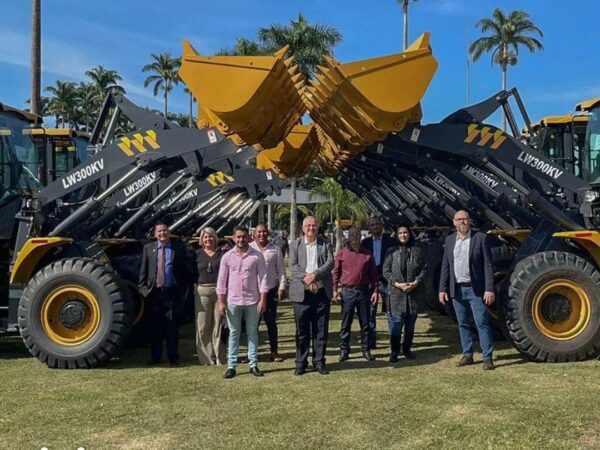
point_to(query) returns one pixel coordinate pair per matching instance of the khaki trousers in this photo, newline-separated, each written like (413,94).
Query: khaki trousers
(209,323)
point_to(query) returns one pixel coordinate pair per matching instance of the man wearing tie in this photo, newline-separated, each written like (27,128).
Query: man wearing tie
(378,244)
(311,289)
(166,272)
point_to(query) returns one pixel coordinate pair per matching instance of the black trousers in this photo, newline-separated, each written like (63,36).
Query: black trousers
(359,300)
(270,316)
(312,326)
(165,312)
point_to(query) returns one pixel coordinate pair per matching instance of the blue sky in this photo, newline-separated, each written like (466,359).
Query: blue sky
(78,35)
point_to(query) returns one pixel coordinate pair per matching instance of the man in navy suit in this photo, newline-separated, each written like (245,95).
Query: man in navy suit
(378,244)
(166,272)
(467,277)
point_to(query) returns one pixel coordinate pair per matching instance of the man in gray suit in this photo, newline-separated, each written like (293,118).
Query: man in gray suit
(468,277)
(311,289)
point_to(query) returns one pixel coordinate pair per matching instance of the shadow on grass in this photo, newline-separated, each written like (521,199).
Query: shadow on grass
(12,347)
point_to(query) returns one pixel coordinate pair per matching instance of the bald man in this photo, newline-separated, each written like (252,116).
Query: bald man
(467,277)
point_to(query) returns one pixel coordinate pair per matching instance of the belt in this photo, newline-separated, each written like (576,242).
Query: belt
(465,284)
(358,287)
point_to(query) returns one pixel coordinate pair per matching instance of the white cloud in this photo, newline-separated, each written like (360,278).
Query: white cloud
(61,59)
(58,58)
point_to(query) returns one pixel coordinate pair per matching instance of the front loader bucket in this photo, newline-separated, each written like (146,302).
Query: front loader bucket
(359,103)
(292,156)
(255,100)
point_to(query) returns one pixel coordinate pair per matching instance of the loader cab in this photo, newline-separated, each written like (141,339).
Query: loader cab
(591,148)
(20,163)
(59,150)
(562,138)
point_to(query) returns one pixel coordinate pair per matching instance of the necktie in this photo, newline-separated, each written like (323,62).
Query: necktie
(160,270)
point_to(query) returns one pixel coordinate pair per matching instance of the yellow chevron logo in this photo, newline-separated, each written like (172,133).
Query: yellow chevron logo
(141,143)
(498,136)
(217,178)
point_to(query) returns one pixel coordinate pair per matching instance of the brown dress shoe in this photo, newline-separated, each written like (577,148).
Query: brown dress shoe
(488,365)
(465,361)
(276,357)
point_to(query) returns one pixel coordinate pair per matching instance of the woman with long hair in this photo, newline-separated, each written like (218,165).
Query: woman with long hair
(404,269)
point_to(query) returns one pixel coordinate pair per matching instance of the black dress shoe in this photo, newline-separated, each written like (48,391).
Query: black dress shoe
(344,356)
(322,369)
(230,373)
(175,363)
(256,371)
(409,355)
(153,362)
(394,358)
(299,371)
(367,355)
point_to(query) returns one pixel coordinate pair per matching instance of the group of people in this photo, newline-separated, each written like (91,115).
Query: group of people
(244,283)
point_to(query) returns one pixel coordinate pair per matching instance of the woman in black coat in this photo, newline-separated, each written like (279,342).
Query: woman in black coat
(404,269)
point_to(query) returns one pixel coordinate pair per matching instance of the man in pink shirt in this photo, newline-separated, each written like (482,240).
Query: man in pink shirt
(243,279)
(275,281)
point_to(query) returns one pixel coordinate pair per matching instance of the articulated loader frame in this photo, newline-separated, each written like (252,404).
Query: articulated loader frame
(75,308)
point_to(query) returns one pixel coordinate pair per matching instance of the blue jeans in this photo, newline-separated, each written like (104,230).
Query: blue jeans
(466,302)
(395,324)
(235,315)
(373,317)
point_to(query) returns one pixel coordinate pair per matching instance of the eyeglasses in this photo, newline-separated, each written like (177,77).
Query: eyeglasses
(461,219)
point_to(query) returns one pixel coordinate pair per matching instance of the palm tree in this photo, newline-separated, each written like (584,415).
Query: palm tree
(105,80)
(165,68)
(63,102)
(404,4)
(308,44)
(87,99)
(507,33)
(343,204)
(42,107)
(244,47)
(36,59)
(191,107)
(282,213)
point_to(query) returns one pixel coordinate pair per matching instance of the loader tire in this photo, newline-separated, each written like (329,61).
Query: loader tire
(502,257)
(74,313)
(553,310)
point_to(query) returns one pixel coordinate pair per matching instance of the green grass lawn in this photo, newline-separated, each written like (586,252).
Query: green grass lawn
(427,402)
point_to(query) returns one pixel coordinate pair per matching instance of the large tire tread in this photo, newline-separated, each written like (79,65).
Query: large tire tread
(531,268)
(111,285)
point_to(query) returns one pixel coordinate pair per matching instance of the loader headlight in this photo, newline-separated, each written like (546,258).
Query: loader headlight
(591,196)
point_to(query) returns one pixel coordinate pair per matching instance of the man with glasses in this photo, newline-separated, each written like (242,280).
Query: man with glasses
(467,277)
(311,289)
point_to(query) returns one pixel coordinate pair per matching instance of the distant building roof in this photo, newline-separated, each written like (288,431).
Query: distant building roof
(302,197)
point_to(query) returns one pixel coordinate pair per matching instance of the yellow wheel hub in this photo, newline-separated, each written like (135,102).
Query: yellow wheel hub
(70,315)
(561,309)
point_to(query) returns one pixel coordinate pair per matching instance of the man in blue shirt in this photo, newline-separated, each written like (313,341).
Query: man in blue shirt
(378,244)
(167,270)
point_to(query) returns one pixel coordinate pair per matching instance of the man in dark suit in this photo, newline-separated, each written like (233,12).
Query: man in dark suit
(311,289)
(378,244)
(282,242)
(467,277)
(167,270)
